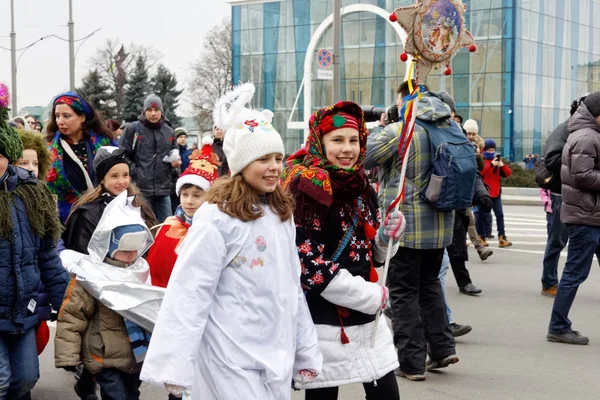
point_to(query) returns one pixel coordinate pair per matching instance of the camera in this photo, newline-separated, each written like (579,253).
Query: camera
(373,113)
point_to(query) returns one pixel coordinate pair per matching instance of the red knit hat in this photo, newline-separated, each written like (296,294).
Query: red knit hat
(203,168)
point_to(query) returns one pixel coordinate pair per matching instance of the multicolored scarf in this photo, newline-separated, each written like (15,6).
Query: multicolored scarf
(57,180)
(308,173)
(183,216)
(75,101)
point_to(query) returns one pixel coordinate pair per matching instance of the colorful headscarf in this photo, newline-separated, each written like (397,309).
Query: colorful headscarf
(310,167)
(308,173)
(75,101)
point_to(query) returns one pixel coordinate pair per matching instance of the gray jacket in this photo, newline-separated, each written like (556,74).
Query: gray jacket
(146,145)
(580,172)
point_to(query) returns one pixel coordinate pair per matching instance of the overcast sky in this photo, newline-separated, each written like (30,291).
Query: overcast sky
(176,28)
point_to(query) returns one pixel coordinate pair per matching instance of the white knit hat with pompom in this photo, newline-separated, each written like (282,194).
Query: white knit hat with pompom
(249,133)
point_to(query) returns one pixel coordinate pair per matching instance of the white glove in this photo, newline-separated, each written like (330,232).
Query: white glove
(305,376)
(177,391)
(393,226)
(173,156)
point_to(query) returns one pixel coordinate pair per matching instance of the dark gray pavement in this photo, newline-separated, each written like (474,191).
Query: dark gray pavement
(506,355)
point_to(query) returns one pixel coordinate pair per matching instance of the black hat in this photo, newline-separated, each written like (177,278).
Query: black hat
(592,101)
(106,158)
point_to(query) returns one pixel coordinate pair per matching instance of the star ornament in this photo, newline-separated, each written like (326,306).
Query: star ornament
(436,31)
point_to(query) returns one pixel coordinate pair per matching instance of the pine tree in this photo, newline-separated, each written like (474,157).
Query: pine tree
(136,91)
(97,93)
(164,85)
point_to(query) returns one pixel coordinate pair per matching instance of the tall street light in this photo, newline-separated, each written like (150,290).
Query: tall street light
(13,57)
(71,47)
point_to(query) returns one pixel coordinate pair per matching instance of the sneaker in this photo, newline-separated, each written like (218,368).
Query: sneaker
(484,253)
(503,242)
(470,289)
(443,363)
(572,337)
(484,243)
(410,377)
(549,292)
(490,236)
(459,330)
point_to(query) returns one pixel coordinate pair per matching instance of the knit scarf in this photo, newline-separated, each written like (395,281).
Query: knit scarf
(58,183)
(39,207)
(489,156)
(318,185)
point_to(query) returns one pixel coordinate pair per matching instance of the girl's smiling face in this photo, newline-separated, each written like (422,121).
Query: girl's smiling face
(342,147)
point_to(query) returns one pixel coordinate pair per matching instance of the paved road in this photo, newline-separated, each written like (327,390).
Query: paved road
(505,357)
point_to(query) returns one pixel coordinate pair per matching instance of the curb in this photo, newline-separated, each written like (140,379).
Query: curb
(511,200)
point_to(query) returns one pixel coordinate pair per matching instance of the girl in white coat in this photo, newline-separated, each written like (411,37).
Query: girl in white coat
(234,323)
(340,238)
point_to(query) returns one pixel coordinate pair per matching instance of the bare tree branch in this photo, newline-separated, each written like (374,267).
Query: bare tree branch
(211,74)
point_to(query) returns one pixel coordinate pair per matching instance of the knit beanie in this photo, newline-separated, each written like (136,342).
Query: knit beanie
(153,101)
(249,133)
(106,158)
(489,144)
(10,143)
(470,125)
(203,168)
(180,132)
(592,101)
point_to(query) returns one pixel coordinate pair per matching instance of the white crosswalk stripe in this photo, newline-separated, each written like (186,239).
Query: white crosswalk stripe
(526,231)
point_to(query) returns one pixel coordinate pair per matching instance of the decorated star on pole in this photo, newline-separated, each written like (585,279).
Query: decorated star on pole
(436,31)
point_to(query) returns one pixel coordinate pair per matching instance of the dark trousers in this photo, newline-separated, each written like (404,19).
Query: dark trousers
(118,385)
(461,274)
(584,242)
(498,212)
(386,389)
(161,205)
(419,322)
(558,237)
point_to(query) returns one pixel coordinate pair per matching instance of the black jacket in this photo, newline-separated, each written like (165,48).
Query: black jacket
(145,146)
(553,157)
(218,149)
(82,224)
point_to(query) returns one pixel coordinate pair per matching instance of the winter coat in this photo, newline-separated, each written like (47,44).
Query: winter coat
(26,261)
(43,303)
(580,173)
(218,149)
(87,331)
(146,145)
(234,322)
(554,150)
(426,228)
(345,285)
(491,177)
(82,223)
(185,154)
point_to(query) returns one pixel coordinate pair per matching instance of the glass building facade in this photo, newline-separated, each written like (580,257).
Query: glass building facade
(533,58)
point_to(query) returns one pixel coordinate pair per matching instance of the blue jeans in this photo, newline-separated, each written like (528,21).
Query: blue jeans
(442,277)
(19,366)
(118,385)
(161,205)
(584,242)
(557,240)
(498,212)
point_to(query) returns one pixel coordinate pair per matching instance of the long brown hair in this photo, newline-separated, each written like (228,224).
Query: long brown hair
(237,199)
(132,190)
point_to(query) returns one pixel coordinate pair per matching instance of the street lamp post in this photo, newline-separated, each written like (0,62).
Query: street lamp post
(337,33)
(71,48)
(13,57)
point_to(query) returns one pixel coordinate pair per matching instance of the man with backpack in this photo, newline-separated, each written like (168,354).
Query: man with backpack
(149,145)
(419,322)
(548,177)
